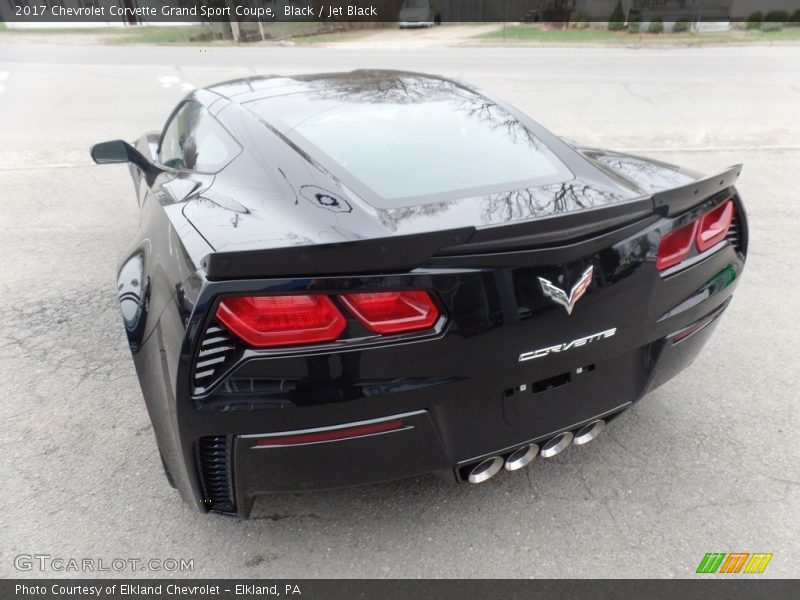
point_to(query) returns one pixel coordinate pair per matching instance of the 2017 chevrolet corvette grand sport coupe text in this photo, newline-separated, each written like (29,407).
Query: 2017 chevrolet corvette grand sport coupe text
(352,277)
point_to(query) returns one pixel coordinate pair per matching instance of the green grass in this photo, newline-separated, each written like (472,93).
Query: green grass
(161,35)
(332,38)
(300,32)
(56,31)
(291,29)
(313,33)
(537,34)
(786,34)
(123,35)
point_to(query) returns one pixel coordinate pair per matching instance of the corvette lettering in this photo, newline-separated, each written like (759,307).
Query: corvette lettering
(595,337)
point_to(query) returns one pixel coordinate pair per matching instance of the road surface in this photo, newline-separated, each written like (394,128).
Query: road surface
(708,463)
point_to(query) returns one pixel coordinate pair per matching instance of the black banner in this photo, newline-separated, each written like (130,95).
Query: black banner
(411,12)
(350,589)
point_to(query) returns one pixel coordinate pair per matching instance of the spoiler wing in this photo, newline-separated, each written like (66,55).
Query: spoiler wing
(407,252)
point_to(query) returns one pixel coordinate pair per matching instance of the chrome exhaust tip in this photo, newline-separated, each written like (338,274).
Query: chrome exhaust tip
(556,445)
(588,432)
(521,457)
(485,470)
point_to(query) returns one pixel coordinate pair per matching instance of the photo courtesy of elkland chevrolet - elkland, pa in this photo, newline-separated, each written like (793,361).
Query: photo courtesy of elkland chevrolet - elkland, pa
(346,278)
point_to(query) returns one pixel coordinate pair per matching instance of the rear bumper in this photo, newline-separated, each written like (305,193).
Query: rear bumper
(462,392)
(431,439)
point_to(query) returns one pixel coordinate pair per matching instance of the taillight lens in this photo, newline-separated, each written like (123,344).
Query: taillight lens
(393,312)
(266,321)
(714,226)
(675,246)
(705,232)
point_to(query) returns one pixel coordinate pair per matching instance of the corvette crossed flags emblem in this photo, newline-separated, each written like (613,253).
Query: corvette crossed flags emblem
(559,296)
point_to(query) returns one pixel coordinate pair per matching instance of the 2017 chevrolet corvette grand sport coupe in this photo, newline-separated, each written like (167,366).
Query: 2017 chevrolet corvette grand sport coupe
(353,277)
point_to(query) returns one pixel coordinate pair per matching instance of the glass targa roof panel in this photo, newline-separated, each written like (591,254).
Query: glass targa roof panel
(408,137)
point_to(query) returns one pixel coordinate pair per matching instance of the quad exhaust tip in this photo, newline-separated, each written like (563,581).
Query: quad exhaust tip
(588,432)
(485,469)
(556,445)
(521,457)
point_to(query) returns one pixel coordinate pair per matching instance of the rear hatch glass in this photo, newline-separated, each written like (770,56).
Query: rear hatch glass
(410,140)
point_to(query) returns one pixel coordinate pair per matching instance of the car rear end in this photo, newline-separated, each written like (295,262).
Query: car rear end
(366,361)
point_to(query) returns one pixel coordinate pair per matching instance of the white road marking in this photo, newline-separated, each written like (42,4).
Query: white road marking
(167,81)
(3,77)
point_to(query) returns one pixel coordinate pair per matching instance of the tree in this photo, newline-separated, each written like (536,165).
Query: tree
(656,25)
(617,20)
(681,26)
(776,16)
(754,20)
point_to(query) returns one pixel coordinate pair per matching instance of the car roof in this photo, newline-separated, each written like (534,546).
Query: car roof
(349,85)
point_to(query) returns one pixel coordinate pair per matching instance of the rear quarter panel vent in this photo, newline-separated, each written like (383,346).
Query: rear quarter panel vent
(735,233)
(216,353)
(214,462)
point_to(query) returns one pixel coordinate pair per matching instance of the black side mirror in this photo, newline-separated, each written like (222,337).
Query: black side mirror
(119,151)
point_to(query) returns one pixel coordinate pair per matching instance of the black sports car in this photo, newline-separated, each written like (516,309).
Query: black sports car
(352,277)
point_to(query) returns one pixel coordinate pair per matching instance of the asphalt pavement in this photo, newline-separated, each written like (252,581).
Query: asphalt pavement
(707,463)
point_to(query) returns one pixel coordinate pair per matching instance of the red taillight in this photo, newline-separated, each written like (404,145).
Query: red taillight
(393,312)
(705,232)
(675,246)
(265,321)
(714,226)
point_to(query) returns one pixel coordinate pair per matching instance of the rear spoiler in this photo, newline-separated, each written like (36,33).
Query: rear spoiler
(677,200)
(403,253)
(374,255)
